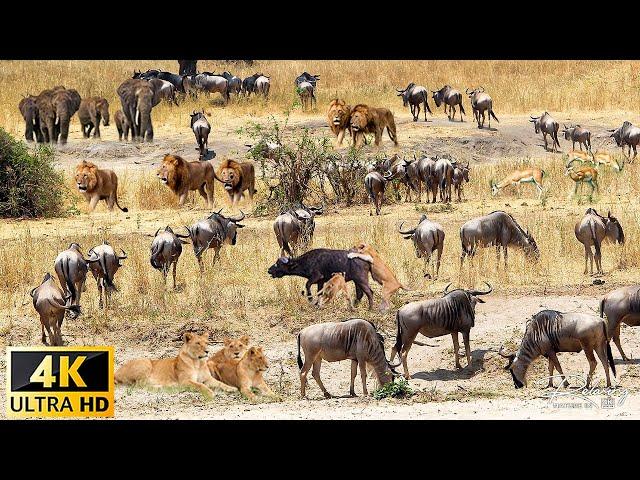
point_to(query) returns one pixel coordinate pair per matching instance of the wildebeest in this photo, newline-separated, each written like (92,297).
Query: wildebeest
(578,134)
(166,249)
(104,263)
(306,92)
(426,174)
(593,229)
(174,79)
(481,102)
(210,83)
(621,305)
(375,184)
(249,84)
(163,90)
(581,175)
(122,125)
(262,85)
(627,135)
(401,171)
(497,229)
(451,314)
(548,126)
(201,129)
(460,175)
(71,269)
(354,339)
(427,238)
(443,173)
(450,97)
(516,178)
(213,232)
(549,332)
(235,83)
(319,265)
(51,304)
(294,229)
(307,77)
(413,96)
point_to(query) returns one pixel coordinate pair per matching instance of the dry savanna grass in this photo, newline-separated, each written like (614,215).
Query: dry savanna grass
(516,86)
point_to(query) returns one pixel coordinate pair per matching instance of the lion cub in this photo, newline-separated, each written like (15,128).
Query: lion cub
(332,289)
(233,350)
(188,368)
(246,373)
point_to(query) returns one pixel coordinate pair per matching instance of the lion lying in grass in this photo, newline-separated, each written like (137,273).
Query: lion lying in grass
(189,368)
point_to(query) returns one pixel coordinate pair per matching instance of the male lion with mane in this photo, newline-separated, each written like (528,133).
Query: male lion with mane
(97,184)
(237,178)
(189,368)
(338,116)
(365,119)
(182,177)
(246,373)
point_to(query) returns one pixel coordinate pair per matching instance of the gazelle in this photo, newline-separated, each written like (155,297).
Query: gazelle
(596,159)
(528,175)
(581,175)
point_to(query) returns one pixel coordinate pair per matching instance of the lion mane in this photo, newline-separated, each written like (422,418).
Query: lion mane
(366,120)
(182,177)
(97,184)
(338,116)
(237,178)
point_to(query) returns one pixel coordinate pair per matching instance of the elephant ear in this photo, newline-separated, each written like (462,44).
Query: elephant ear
(92,109)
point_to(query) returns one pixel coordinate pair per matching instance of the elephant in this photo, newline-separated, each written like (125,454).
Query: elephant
(137,97)
(65,104)
(29,111)
(92,110)
(47,114)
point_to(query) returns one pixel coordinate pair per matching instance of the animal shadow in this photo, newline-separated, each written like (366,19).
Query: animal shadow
(211,154)
(632,361)
(452,373)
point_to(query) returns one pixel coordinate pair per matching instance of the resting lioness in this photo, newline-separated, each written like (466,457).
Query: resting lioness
(233,350)
(188,368)
(246,373)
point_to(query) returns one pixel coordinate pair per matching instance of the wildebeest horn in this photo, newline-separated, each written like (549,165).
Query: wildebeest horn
(237,219)
(124,255)
(480,292)
(399,91)
(505,355)
(93,256)
(466,91)
(185,236)
(446,289)
(408,232)
(156,234)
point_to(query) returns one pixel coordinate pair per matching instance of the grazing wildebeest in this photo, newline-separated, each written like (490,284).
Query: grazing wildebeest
(249,84)
(71,269)
(549,332)
(262,86)
(166,249)
(319,265)
(122,125)
(453,313)
(213,232)
(628,135)
(528,175)
(621,305)
(481,102)
(593,229)
(294,229)
(497,229)
(104,263)
(427,237)
(307,77)
(375,184)
(401,171)
(210,83)
(578,134)
(548,126)
(201,129)
(354,339)
(413,96)
(450,97)
(581,175)
(443,173)
(306,91)
(235,83)
(51,304)
(460,175)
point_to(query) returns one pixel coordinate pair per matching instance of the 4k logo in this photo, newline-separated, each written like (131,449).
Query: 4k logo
(60,381)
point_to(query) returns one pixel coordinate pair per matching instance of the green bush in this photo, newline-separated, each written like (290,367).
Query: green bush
(397,389)
(29,184)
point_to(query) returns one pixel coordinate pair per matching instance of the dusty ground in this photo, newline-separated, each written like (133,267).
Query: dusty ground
(482,390)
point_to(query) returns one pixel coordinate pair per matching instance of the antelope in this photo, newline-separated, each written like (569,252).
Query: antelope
(596,159)
(582,175)
(528,175)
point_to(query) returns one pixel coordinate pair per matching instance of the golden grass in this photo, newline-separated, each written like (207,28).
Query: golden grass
(516,86)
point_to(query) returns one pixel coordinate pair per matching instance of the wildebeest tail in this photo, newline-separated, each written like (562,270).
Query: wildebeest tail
(494,116)
(155,251)
(398,345)
(594,239)
(462,109)
(609,354)
(67,278)
(602,308)
(105,270)
(285,244)
(299,356)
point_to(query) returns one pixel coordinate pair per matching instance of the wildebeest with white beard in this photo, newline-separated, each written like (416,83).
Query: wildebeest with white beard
(621,305)
(294,229)
(413,96)
(51,304)
(104,263)
(354,339)
(71,269)
(427,238)
(452,314)
(201,129)
(549,332)
(166,249)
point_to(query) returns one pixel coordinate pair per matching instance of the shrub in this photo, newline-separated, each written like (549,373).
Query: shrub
(396,389)
(29,184)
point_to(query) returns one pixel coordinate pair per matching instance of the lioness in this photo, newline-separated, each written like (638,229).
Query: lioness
(234,349)
(365,119)
(380,273)
(338,116)
(97,184)
(332,289)
(237,177)
(246,373)
(188,368)
(182,177)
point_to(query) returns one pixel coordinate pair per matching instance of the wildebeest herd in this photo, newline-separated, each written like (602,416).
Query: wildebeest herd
(547,333)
